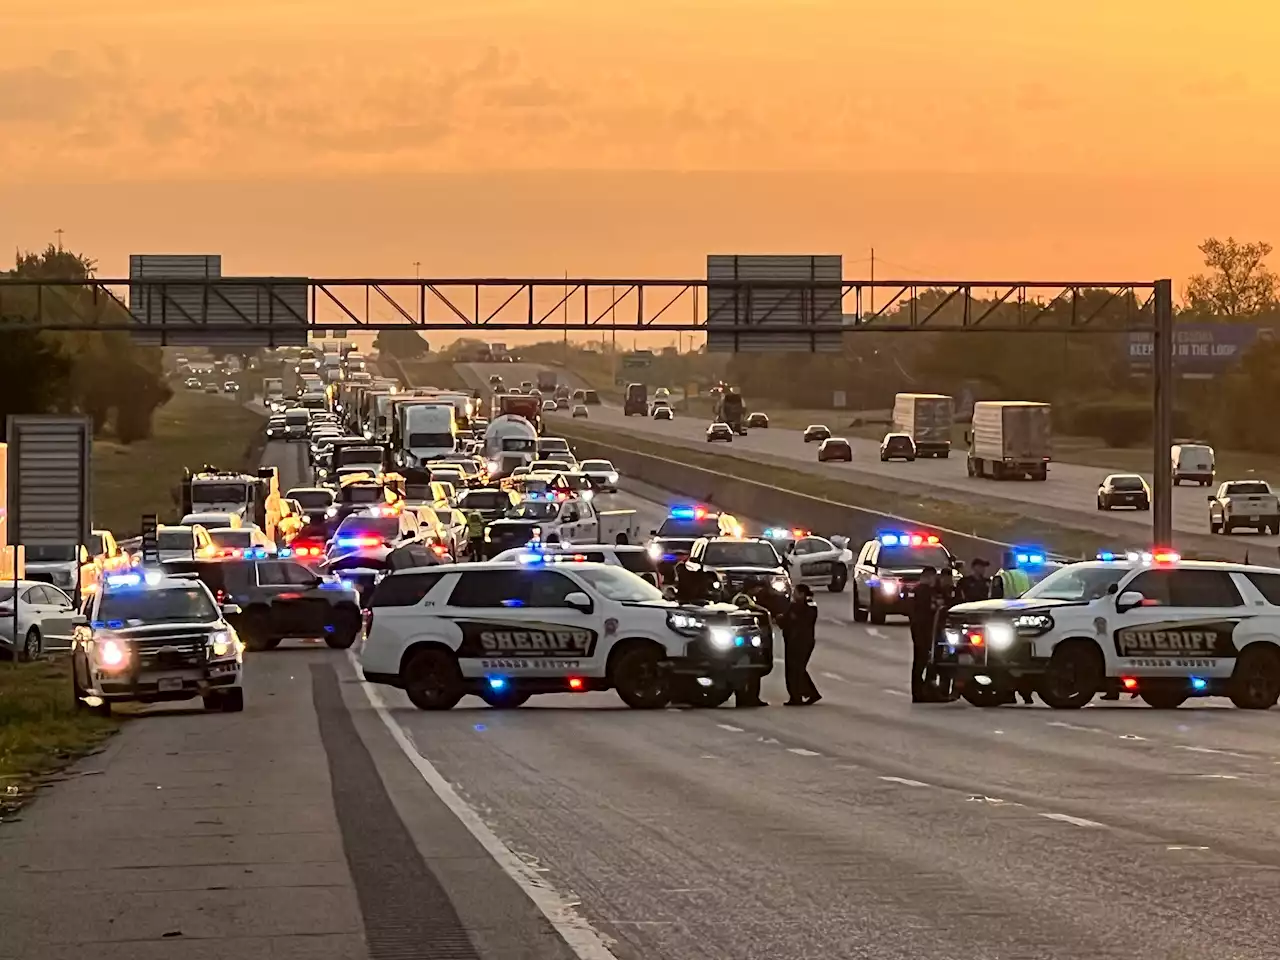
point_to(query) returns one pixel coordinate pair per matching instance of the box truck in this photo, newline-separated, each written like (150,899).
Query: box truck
(927,419)
(1010,439)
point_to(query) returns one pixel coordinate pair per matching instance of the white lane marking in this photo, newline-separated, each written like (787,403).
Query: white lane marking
(1220,753)
(875,631)
(832,676)
(1067,818)
(1186,848)
(1062,724)
(1216,776)
(1132,736)
(779,660)
(730,727)
(582,938)
(896,693)
(904,781)
(802,752)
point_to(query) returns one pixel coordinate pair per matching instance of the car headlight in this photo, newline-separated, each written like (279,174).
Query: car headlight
(1034,623)
(613,478)
(890,587)
(494,466)
(1000,636)
(654,551)
(780,584)
(685,624)
(113,654)
(221,643)
(586,494)
(721,638)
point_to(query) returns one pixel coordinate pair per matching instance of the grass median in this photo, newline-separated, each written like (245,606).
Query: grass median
(1007,526)
(41,731)
(192,429)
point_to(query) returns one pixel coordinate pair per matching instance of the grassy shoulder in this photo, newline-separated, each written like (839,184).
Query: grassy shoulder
(1006,526)
(192,429)
(432,373)
(41,731)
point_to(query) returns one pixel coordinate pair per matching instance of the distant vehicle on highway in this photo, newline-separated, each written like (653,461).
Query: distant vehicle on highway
(231,387)
(192,383)
(897,446)
(663,413)
(1194,462)
(718,431)
(835,448)
(579,410)
(758,420)
(591,398)
(1124,490)
(1244,503)
(636,400)
(816,432)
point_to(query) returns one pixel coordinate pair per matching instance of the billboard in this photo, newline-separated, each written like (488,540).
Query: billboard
(1200,350)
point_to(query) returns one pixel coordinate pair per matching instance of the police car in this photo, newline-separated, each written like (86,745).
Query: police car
(718,568)
(673,540)
(813,560)
(631,557)
(889,567)
(1149,624)
(507,631)
(149,638)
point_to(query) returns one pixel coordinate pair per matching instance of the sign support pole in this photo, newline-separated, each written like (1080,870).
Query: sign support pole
(1162,433)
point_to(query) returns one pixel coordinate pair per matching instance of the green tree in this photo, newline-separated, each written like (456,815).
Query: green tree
(1237,284)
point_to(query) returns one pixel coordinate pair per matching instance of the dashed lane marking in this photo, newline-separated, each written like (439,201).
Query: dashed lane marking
(1075,821)
(896,693)
(832,676)
(904,781)
(730,727)
(1213,750)
(802,752)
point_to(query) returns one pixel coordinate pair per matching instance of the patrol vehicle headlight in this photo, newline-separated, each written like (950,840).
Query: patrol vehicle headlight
(780,584)
(112,653)
(220,643)
(1035,623)
(890,586)
(685,624)
(1000,636)
(613,478)
(721,638)
(654,551)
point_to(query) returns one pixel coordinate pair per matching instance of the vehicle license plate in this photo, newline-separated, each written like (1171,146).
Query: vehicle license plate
(169,683)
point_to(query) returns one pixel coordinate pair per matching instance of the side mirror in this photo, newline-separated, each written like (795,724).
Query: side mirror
(1128,600)
(1211,498)
(653,533)
(231,610)
(579,601)
(957,564)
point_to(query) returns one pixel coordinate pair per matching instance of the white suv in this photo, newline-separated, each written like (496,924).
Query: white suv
(505,631)
(1151,625)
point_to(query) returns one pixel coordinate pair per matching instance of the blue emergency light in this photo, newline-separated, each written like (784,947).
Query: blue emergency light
(124,580)
(907,539)
(682,513)
(1028,558)
(497,683)
(284,552)
(1198,683)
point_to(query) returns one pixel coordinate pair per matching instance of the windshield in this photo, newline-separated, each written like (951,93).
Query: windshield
(175,540)
(689,529)
(553,445)
(171,605)
(576,481)
(219,492)
(312,499)
(296,417)
(232,538)
(358,455)
(591,396)
(518,445)
(1251,486)
(533,510)
(1126,483)
(935,557)
(597,466)
(1076,582)
(616,583)
(431,440)
(540,466)
(742,553)
(388,528)
(483,500)
(49,554)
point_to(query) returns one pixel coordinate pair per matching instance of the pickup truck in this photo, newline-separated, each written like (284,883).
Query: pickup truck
(1244,503)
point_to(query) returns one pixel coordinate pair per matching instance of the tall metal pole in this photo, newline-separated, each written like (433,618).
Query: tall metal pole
(1162,370)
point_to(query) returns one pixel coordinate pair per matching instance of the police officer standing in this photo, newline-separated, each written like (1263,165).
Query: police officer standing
(927,603)
(475,535)
(1010,582)
(799,628)
(748,693)
(974,585)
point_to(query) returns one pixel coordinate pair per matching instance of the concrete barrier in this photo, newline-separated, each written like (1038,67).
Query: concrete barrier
(769,504)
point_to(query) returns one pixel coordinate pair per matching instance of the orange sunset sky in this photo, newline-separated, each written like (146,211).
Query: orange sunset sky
(1101,139)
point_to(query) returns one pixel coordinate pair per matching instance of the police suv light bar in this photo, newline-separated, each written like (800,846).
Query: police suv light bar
(688,513)
(908,539)
(1159,555)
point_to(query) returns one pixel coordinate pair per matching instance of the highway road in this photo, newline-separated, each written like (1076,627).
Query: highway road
(866,826)
(1071,488)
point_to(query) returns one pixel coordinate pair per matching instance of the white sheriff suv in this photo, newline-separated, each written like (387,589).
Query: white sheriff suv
(1148,624)
(504,631)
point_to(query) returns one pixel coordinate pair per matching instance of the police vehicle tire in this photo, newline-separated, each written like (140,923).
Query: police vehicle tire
(875,613)
(637,676)
(1255,682)
(984,696)
(1074,676)
(859,613)
(686,691)
(346,627)
(432,680)
(839,580)
(504,701)
(1162,695)
(256,627)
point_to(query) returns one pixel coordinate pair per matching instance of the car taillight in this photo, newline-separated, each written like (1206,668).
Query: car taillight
(220,596)
(366,617)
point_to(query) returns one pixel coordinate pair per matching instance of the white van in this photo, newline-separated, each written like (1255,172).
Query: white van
(1192,461)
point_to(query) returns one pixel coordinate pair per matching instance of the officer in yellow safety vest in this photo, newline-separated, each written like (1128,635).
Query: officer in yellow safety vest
(1011,581)
(475,533)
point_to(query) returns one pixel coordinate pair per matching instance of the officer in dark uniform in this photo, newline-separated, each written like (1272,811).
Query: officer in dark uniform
(748,693)
(976,584)
(799,628)
(927,604)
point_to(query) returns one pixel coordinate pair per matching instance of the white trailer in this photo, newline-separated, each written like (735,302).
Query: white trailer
(927,419)
(1010,439)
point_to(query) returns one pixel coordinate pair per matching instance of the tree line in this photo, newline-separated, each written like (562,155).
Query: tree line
(104,375)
